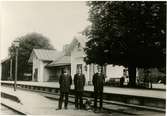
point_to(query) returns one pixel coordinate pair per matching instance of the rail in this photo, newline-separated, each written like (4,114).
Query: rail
(108,97)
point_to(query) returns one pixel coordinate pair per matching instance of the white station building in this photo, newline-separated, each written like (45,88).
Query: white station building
(48,64)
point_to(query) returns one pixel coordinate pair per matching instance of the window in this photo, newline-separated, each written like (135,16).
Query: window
(36,74)
(79,66)
(78,45)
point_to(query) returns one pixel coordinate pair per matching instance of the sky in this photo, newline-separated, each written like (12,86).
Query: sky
(58,21)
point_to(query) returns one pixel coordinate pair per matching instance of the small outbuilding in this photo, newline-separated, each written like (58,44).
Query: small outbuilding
(40,58)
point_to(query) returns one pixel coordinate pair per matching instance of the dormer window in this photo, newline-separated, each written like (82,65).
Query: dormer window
(78,45)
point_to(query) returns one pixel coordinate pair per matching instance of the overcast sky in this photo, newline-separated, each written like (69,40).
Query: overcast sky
(59,21)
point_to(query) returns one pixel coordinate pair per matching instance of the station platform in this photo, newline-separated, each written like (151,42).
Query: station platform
(33,103)
(140,97)
(160,94)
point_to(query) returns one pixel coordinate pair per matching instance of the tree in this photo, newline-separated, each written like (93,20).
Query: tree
(27,44)
(127,33)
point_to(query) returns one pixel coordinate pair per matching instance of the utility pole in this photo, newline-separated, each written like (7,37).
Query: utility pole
(16,44)
(15,81)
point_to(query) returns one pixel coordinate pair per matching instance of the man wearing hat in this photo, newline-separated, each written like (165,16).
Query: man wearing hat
(98,83)
(79,83)
(65,82)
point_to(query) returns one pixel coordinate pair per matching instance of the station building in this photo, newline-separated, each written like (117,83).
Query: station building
(48,64)
(40,59)
(5,69)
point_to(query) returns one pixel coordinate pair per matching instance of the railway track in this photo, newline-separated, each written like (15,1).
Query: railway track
(54,95)
(7,110)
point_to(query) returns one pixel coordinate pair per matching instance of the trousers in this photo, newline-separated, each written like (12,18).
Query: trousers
(79,99)
(62,95)
(98,95)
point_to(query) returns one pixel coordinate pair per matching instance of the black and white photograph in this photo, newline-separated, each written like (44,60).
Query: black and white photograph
(83,58)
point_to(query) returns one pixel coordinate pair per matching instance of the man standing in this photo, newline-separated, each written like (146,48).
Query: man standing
(79,83)
(65,82)
(98,83)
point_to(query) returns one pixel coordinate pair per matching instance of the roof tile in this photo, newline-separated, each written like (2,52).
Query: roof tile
(48,55)
(65,60)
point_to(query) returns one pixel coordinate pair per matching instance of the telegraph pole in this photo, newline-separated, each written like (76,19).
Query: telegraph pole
(16,44)
(15,81)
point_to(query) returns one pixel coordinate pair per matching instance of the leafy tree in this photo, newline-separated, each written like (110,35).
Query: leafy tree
(27,44)
(127,33)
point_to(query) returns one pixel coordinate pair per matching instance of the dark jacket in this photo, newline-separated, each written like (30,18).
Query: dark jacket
(98,82)
(65,82)
(79,82)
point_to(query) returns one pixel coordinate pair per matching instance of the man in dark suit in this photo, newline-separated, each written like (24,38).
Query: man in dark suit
(79,83)
(98,83)
(65,82)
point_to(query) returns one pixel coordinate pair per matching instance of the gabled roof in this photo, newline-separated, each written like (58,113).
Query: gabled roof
(45,55)
(64,60)
(78,40)
(5,59)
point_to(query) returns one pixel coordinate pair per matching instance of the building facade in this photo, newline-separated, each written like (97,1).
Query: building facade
(77,61)
(40,58)
(48,64)
(6,70)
